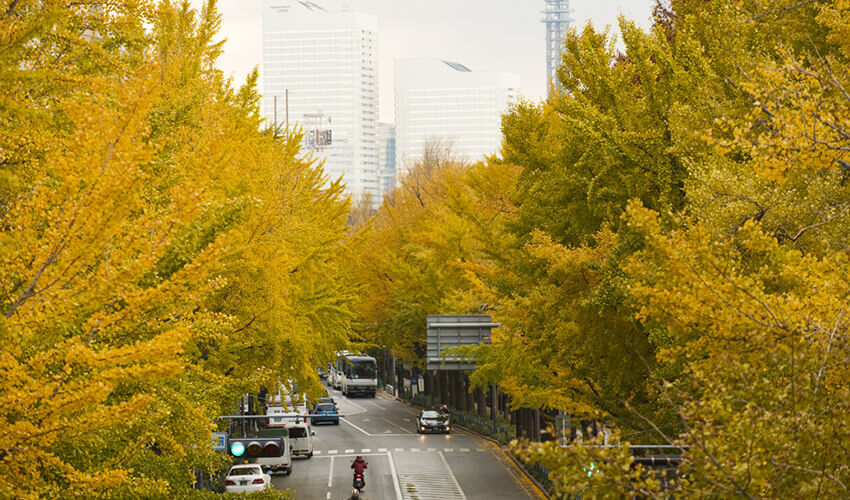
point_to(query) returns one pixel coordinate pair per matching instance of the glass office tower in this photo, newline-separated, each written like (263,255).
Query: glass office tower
(320,73)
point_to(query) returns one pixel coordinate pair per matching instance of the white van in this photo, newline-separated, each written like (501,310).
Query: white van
(282,463)
(300,437)
(297,425)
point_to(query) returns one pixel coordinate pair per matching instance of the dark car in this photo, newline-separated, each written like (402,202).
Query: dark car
(325,412)
(432,421)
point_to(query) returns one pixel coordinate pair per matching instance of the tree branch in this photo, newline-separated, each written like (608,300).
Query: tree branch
(783,9)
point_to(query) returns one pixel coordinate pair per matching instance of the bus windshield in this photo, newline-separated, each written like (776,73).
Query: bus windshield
(363,368)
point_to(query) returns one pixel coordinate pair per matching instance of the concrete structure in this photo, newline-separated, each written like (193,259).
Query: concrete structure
(436,99)
(320,73)
(386,158)
(557,19)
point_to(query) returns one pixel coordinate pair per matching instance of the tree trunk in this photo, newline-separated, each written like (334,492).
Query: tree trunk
(481,402)
(494,402)
(444,386)
(470,398)
(459,393)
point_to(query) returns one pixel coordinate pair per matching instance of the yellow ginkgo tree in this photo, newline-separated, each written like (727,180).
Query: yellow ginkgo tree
(162,251)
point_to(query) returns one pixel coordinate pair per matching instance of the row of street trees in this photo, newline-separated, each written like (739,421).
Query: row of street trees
(162,251)
(665,242)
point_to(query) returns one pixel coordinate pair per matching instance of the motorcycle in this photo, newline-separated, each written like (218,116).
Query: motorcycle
(358,484)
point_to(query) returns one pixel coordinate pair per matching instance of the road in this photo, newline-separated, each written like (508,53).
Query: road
(403,465)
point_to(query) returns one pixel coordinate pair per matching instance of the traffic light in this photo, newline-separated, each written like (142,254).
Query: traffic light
(256,447)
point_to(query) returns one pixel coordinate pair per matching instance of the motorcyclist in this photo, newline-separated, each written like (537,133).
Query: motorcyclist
(359,465)
(444,410)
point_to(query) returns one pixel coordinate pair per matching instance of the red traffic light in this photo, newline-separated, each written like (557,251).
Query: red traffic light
(271,449)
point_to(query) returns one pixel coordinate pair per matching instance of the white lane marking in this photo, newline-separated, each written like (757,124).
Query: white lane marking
(400,427)
(350,450)
(432,449)
(331,474)
(317,452)
(356,427)
(365,419)
(382,450)
(328,496)
(331,452)
(448,450)
(414,449)
(386,433)
(396,486)
(423,476)
(451,475)
(407,419)
(346,402)
(464,450)
(353,455)
(366,450)
(399,449)
(375,405)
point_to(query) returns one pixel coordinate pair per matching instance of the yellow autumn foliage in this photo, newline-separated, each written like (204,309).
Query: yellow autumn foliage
(162,251)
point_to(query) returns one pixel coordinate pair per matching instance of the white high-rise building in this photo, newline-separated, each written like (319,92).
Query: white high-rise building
(320,72)
(446,101)
(386,157)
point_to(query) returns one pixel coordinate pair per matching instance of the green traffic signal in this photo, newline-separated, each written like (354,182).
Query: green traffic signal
(237,449)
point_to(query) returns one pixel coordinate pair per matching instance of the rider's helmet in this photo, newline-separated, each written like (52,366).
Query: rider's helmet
(359,457)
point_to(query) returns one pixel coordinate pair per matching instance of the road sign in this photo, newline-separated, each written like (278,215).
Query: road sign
(219,440)
(446,331)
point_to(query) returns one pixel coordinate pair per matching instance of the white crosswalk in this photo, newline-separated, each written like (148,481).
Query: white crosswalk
(426,476)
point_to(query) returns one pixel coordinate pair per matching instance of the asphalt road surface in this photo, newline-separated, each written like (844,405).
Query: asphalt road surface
(403,465)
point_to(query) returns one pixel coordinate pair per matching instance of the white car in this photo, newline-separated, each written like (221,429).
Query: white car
(246,478)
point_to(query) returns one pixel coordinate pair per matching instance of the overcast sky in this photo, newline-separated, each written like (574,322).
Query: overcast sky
(486,35)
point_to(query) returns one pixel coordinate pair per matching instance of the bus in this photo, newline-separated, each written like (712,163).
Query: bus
(334,375)
(357,374)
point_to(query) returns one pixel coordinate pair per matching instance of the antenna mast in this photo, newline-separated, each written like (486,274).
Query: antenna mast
(557,19)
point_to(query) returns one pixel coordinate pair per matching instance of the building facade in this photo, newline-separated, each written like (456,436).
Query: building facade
(386,158)
(320,73)
(557,19)
(447,102)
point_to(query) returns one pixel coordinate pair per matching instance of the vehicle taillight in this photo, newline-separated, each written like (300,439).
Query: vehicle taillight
(259,480)
(229,483)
